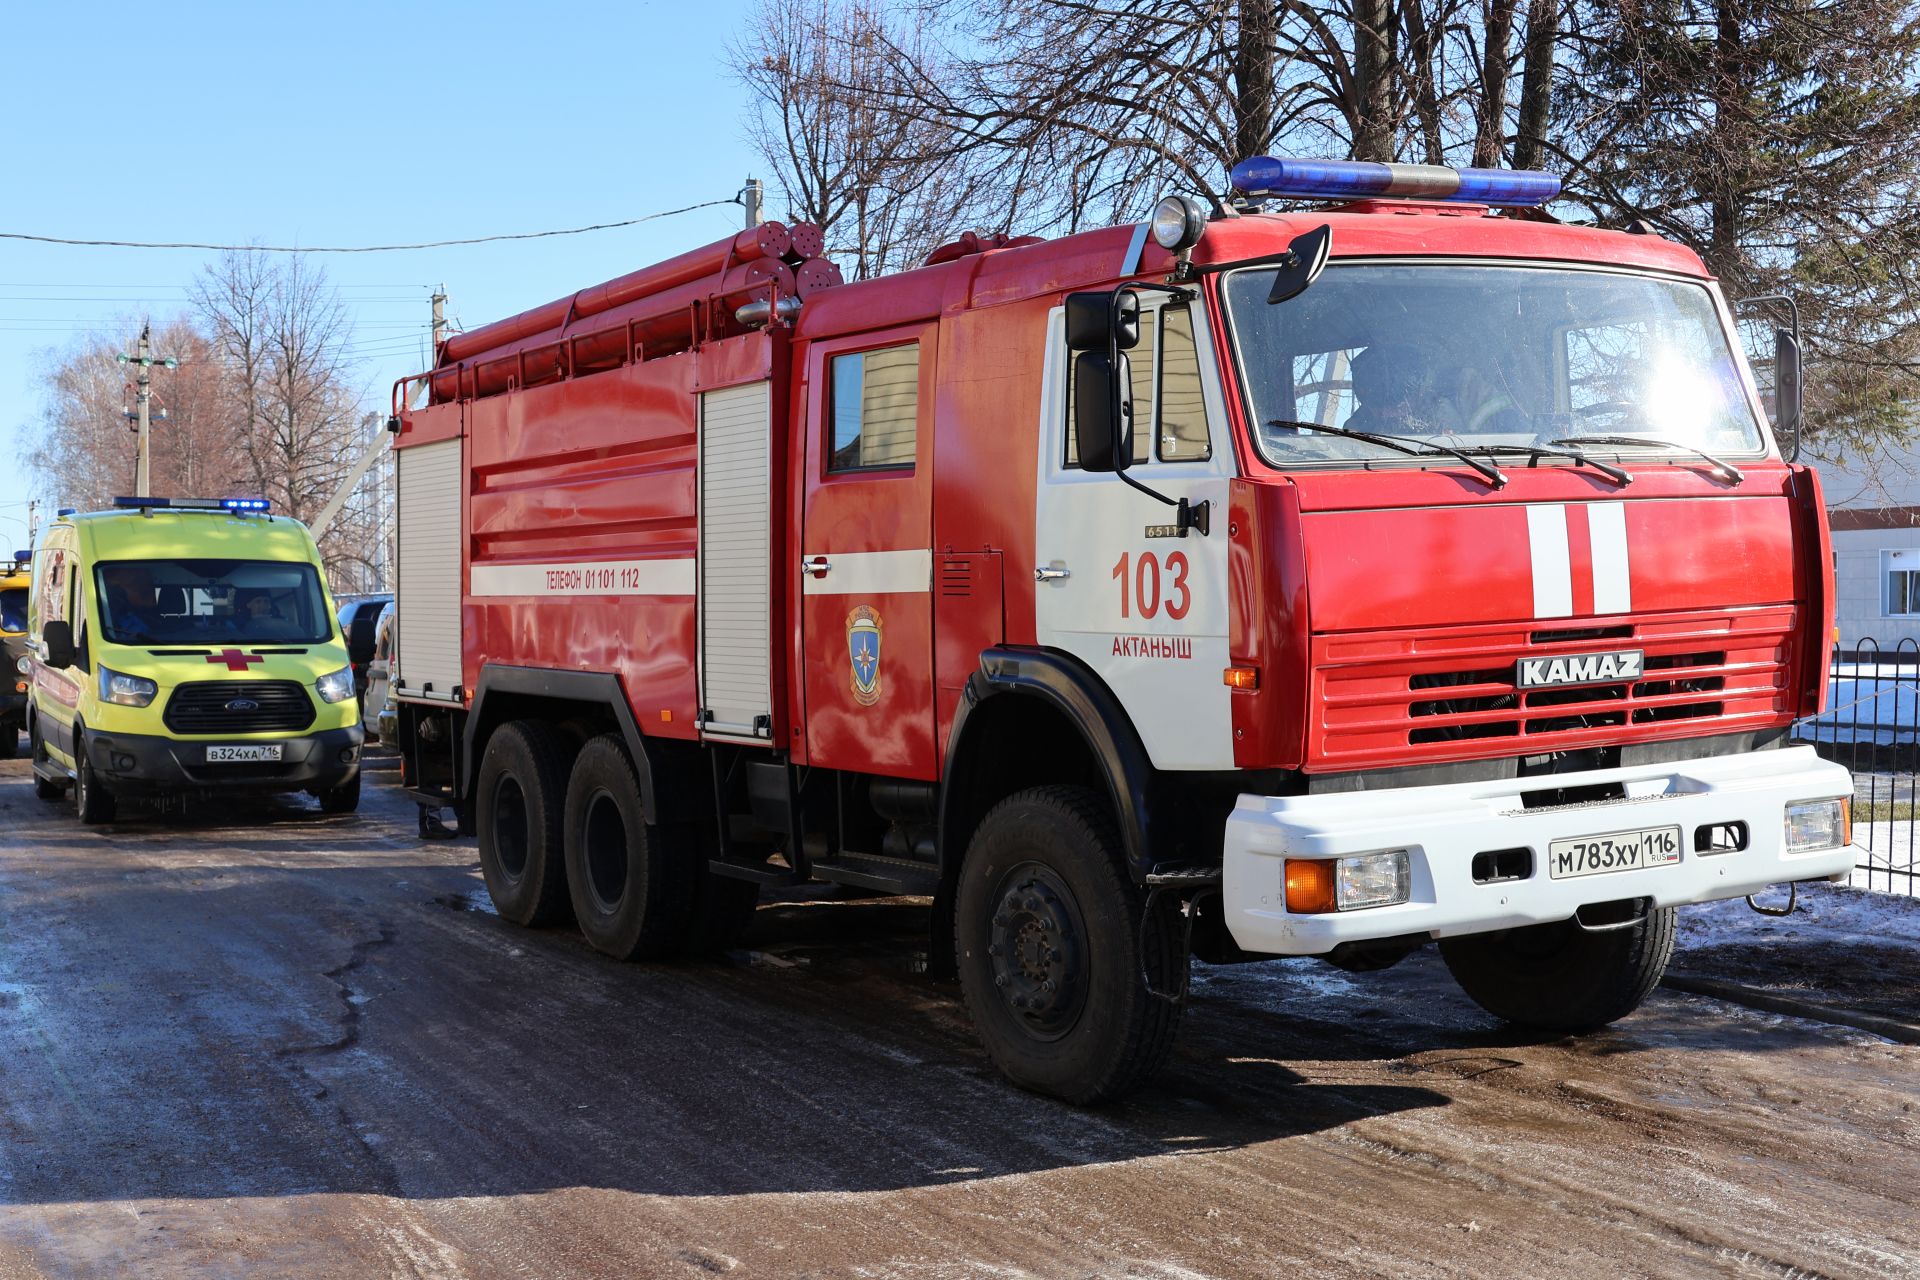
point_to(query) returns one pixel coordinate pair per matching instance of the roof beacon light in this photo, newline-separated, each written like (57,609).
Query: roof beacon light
(1267,176)
(1178,223)
(192,504)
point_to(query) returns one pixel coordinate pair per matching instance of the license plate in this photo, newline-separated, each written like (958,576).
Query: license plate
(1616,851)
(265,751)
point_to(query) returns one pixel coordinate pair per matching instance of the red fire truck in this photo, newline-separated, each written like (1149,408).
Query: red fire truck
(1371,562)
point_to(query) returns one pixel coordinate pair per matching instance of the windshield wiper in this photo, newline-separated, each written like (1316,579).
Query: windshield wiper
(1613,473)
(1494,477)
(1721,465)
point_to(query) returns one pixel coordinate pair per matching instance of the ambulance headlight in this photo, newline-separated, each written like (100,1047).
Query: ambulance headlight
(1813,825)
(335,686)
(126,690)
(23,664)
(1178,223)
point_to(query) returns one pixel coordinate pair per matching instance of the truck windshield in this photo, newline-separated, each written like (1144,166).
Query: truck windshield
(1480,356)
(160,602)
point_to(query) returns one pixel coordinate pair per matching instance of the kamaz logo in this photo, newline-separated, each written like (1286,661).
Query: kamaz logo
(243,704)
(1580,668)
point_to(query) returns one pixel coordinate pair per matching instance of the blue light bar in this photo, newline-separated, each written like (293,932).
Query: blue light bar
(64,512)
(1359,179)
(193,504)
(244,504)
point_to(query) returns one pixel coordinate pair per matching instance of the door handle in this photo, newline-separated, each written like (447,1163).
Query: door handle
(815,566)
(1052,573)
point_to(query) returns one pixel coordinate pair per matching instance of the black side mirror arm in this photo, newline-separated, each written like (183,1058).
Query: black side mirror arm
(1187,515)
(1788,372)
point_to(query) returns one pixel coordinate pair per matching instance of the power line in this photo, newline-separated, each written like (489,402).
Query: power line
(369,248)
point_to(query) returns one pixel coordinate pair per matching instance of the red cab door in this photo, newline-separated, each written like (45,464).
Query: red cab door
(866,563)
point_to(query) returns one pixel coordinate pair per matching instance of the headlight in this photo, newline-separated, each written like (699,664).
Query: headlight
(1813,825)
(1178,223)
(1315,885)
(23,664)
(335,686)
(126,690)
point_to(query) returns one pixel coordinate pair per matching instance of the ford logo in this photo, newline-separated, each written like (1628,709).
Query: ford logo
(243,704)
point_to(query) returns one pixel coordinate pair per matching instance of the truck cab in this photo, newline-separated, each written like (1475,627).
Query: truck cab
(187,647)
(1393,568)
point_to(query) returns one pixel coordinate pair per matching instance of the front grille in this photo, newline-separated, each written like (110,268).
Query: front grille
(1450,694)
(204,706)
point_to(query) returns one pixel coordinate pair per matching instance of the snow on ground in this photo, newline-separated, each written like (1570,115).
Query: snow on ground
(1830,914)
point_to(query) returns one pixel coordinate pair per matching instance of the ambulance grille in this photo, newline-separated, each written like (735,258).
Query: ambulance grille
(207,706)
(1411,696)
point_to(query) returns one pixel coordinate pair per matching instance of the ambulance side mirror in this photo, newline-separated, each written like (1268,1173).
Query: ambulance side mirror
(1788,397)
(1102,419)
(56,639)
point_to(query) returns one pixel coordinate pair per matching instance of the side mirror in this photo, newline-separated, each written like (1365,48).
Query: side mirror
(1306,259)
(1093,321)
(57,640)
(1102,420)
(1788,402)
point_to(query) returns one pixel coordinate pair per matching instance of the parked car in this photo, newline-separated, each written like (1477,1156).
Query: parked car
(358,617)
(373,700)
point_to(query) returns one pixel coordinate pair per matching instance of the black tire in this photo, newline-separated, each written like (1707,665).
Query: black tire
(341,799)
(91,799)
(632,883)
(1051,951)
(44,788)
(1559,977)
(520,797)
(724,909)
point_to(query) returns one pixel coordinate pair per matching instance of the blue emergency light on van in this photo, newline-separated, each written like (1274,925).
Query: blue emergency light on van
(1268,176)
(194,504)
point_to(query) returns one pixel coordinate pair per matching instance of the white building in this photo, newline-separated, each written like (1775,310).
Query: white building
(1874,502)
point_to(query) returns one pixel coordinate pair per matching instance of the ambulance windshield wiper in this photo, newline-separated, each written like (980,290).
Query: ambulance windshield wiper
(1613,473)
(1725,468)
(1494,477)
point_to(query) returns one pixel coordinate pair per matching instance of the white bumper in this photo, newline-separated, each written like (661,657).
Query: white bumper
(1443,827)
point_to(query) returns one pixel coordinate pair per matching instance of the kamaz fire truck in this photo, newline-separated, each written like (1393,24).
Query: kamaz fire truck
(1368,561)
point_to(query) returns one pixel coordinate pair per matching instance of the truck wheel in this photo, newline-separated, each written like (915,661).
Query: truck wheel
(1051,949)
(723,911)
(341,799)
(1559,977)
(521,791)
(632,882)
(90,796)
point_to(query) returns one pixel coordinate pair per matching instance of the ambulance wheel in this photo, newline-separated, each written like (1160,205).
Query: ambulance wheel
(341,799)
(90,796)
(1052,947)
(521,793)
(723,910)
(632,882)
(1559,977)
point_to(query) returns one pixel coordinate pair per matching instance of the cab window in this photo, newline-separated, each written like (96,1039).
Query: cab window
(1163,379)
(13,609)
(874,408)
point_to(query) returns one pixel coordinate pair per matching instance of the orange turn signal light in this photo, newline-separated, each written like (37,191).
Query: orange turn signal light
(1310,886)
(1846,821)
(1242,677)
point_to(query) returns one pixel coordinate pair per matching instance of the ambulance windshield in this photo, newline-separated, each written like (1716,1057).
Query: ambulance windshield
(165,602)
(1487,357)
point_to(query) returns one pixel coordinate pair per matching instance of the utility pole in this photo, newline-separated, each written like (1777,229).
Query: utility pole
(143,359)
(439,319)
(753,196)
(33,522)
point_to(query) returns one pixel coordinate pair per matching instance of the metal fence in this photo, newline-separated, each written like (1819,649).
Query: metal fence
(1872,725)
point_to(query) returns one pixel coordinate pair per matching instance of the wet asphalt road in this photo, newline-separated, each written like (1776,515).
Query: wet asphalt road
(257,1041)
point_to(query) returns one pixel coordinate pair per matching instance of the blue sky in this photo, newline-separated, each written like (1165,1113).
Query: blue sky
(348,124)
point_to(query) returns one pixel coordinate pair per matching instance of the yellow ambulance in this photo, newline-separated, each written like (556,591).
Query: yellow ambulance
(15,577)
(187,647)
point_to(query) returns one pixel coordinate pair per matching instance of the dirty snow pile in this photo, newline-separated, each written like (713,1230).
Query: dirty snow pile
(1825,913)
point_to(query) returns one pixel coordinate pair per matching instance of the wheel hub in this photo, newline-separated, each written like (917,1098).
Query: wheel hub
(1038,950)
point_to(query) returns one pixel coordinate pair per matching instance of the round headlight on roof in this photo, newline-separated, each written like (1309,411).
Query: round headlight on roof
(1178,223)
